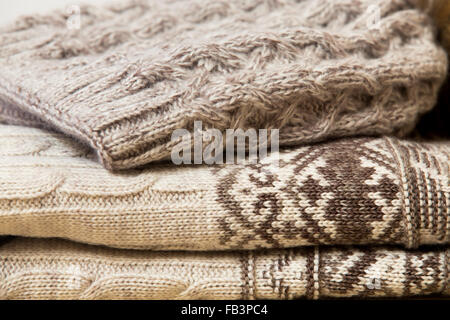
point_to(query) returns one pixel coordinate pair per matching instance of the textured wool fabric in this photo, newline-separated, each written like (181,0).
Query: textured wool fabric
(57,269)
(14,116)
(350,191)
(136,71)
(133,73)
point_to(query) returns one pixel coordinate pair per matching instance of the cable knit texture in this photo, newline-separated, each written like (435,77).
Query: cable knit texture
(351,191)
(57,269)
(134,72)
(282,228)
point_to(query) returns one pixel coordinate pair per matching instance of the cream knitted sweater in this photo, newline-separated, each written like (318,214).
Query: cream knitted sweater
(135,72)
(56,269)
(351,191)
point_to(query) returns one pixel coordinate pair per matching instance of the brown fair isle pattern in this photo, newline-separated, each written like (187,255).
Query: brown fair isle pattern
(350,191)
(341,192)
(58,269)
(136,71)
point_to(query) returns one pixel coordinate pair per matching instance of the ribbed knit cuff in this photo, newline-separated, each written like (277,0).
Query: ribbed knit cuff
(131,75)
(11,114)
(425,175)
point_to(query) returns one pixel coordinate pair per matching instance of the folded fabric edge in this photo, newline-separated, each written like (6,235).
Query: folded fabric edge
(11,112)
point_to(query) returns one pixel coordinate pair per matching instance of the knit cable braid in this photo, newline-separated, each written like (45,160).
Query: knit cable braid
(351,191)
(134,73)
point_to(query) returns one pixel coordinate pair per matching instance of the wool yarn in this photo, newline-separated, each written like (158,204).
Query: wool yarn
(134,72)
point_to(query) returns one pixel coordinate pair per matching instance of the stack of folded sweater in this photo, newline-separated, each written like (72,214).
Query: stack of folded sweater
(91,206)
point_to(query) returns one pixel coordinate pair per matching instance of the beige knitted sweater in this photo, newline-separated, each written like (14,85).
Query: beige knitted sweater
(351,191)
(135,72)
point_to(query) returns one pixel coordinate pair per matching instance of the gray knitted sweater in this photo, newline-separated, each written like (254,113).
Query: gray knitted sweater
(135,72)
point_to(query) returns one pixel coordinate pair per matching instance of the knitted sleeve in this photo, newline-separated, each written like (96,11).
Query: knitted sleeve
(130,75)
(348,191)
(57,269)
(11,114)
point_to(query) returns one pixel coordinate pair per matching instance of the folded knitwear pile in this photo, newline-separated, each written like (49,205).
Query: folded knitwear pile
(356,205)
